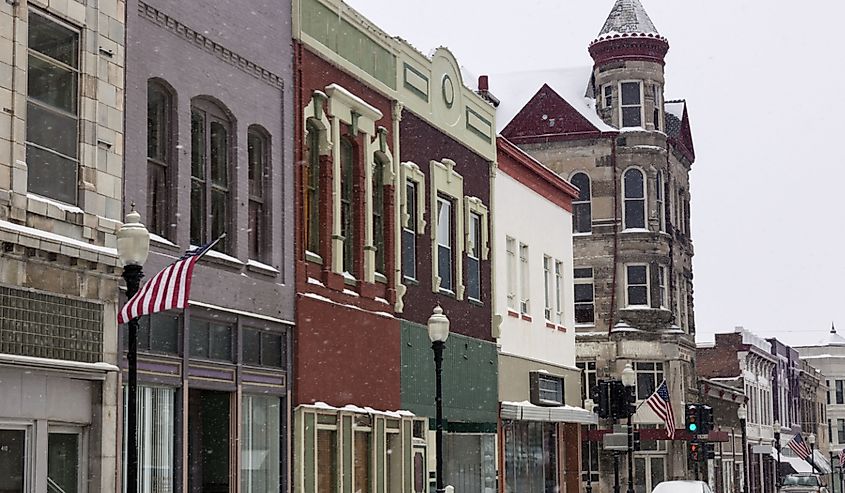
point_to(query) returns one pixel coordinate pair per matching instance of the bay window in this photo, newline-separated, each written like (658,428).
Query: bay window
(637,286)
(633,189)
(660,191)
(631,108)
(649,376)
(52,108)
(663,292)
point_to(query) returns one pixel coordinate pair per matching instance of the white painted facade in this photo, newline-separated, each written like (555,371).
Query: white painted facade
(828,356)
(530,335)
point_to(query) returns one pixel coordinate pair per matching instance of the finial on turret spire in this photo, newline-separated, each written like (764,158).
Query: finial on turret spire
(832,328)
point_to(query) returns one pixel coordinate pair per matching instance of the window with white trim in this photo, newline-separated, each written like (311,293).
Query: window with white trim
(649,376)
(160,153)
(211,190)
(444,244)
(474,257)
(663,293)
(582,209)
(631,107)
(633,189)
(52,108)
(409,232)
(660,190)
(559,292)
(348,167)
(258,160)
(524,284)
(608,95)
(658,106)
(510,249)
(585,310)
(547,287)
(636,285)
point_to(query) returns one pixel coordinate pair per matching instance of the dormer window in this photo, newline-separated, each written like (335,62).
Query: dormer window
(632,104)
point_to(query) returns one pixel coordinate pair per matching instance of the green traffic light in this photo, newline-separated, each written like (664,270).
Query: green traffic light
(693,427)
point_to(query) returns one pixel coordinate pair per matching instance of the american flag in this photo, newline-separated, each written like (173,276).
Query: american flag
(168,289)
(659,402)
(799,446)
(842,458)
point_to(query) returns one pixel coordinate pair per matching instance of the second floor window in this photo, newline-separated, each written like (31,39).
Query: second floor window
(559,291)
(548,289)
(347,197)
(582,209)
(660,193)
(649,376)
(840,392)
(258,152)
(474,258)
(510,248)
(312,190)
(634,204)
(210,194)
(585,311)
(159,141)
(631,108)
(409,232)
(211,340)
(588,377)
(663,293)
(524,281)
(378,216)
(637,285)
(444,243)
(52,122)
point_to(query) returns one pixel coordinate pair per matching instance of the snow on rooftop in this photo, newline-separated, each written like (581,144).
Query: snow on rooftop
(675,108)
(627,17)
(515,89)
(753,339)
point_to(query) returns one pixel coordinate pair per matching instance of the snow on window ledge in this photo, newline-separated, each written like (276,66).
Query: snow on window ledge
(261,267)
(162,241)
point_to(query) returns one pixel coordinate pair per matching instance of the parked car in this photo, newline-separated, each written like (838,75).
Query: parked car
(682,487)
(803,483)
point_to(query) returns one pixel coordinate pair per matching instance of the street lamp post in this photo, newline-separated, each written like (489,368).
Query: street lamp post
(438,332)
(777,446)
(742,414)
(812,441)
(133,246)
(589,405)
(629,380)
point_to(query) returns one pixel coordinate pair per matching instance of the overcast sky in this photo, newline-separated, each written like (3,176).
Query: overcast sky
(763,83)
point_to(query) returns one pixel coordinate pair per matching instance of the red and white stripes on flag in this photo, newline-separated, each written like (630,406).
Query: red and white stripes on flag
(167,290)
(659,402)
(799,446)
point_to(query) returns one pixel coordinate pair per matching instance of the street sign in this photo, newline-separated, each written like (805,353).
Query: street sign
(615,441)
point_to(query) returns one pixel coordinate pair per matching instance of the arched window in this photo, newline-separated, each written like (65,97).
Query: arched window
(258,156)
(348,164)
(634,193)
(160,140)
(211,148)
(311,179)
(378,215)
(582,208)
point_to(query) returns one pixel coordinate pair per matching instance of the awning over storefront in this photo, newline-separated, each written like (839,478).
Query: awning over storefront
(821,462)
(798,465)
(801,466)
(526,411)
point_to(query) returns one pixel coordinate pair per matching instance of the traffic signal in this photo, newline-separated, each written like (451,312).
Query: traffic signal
(637,441)
(693,420)
(600,393)
(694,451)
(705,418)
(710,450)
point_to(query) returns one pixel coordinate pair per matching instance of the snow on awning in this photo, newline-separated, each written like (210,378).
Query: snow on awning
(525,411)
(799,466)
(821,462)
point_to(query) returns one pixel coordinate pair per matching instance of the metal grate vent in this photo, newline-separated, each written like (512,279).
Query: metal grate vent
(43,325)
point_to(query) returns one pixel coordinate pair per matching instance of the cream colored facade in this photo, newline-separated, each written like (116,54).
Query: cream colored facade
(58,266)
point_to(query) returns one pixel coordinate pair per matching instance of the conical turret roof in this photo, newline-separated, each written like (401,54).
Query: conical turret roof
(627,17)
(832,339)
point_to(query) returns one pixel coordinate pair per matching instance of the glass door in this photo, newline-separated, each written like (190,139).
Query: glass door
(63,461)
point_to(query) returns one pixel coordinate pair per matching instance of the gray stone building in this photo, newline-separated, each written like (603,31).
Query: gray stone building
(609,130)
(208,92)
(61,156)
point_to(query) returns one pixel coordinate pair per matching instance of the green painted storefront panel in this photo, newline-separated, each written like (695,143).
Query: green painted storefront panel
(348,41)
(308,463)
(348,446)
(380,454)
(470,376)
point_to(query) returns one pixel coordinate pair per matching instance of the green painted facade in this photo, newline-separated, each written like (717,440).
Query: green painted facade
(338,35)
(470,379)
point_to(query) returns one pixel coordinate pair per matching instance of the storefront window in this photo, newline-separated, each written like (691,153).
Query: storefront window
(63,462)
(12,465)
(327,461)
(156,418)
(362,461)
(531,460)
(260,444)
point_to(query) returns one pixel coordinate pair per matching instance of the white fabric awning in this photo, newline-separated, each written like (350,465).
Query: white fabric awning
(525,411)
(821,462)
(799,465)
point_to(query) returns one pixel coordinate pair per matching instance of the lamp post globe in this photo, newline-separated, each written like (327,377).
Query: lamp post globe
(133,247)
(742,412)
(629,376)
(438,332)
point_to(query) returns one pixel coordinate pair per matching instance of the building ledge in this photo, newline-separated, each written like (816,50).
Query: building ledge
(87,371)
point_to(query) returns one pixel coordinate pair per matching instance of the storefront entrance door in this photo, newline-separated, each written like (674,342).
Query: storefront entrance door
(209,451)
